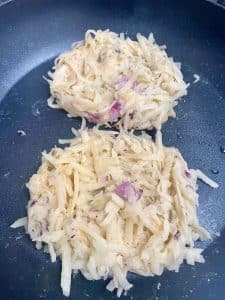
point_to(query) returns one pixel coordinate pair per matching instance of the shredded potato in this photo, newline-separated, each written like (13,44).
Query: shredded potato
(113,80)
(112,203)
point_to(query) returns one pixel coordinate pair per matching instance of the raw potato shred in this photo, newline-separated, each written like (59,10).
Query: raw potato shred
(112,203)
(113,80)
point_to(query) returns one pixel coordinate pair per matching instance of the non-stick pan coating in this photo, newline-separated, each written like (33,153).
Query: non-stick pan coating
(32,33)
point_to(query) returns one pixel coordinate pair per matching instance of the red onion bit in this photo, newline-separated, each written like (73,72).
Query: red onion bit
(187,174)
(21,133)
(177,235)
(115,111)
(93,117)
(122,81)
(32,202)
(128,192)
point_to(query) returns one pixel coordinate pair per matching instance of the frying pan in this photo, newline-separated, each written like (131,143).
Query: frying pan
(32,34)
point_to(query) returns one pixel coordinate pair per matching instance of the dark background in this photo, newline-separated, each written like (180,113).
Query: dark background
(32,34)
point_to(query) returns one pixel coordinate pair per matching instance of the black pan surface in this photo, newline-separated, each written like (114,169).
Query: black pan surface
(32,34)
